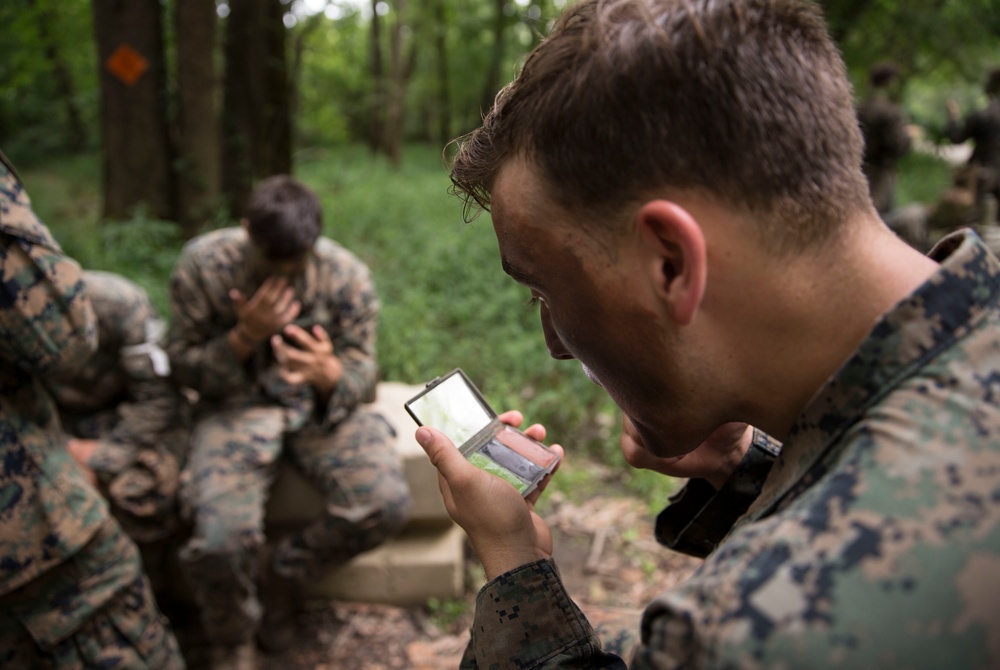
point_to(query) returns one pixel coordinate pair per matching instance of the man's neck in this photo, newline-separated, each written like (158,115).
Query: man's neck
(823,308)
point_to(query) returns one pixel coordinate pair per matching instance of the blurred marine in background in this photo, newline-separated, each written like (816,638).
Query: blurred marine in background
(72,590)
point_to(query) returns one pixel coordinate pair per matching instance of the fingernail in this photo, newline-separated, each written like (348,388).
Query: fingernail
(423,436)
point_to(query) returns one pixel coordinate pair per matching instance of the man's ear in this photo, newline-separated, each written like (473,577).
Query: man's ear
(678,260)
(244,224)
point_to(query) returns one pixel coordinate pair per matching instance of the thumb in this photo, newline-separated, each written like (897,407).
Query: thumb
(443,453)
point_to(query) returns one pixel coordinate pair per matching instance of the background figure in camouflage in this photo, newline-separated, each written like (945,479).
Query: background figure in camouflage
(883,126)
(274,327)
(982,127)
(720,270)
(72,591)
(125,415)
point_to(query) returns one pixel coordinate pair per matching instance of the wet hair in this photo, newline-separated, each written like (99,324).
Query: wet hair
(881,75)
(746,101)
(284,217)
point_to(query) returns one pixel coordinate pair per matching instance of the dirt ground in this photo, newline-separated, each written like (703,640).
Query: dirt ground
(605,552)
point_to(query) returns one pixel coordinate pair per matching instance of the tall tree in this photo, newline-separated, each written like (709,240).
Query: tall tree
(377,102)
(256,125)
(491,83)
(443,87)
(198,143)
(402,60)
(137,156)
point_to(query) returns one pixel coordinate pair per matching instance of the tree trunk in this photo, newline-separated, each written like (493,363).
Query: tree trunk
(137,156)
(197,116)
(400,68)
(377,111)
(256,120)
(302,34)
(76,133)
(491,83)
(443,82)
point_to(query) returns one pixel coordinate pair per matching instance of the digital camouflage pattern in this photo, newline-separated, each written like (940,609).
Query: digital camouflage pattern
(875,541)
(124,398)
(66,569)
(248,418)
(94,611)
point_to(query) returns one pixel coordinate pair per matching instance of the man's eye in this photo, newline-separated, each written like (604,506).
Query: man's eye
(532,302)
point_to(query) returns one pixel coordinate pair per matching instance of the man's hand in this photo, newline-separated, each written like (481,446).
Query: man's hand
(503,527)
(272,307)
(714,459)
(81,451)
(310,360)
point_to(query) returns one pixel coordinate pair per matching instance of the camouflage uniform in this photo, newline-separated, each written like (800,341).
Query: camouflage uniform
(247,418)
(874,540)
(123,398)
(886,141)
(72,592)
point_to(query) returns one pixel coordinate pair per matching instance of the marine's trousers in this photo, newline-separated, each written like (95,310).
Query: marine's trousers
(230,470)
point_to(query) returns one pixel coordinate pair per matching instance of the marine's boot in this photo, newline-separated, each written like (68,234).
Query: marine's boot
(277,596)
(240,657)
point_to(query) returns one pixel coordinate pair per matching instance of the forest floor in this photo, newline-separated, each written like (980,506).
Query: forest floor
(606,554)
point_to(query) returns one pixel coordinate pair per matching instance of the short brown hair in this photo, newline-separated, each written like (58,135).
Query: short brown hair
(284,217)
(745,100)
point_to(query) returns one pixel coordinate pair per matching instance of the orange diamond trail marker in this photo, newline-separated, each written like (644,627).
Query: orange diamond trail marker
(127,64)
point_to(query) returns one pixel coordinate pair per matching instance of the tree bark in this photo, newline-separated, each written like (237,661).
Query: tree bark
(302,35)
(400,69)
(137,155)
(256,121)
(377,106)
(443,82)
(491,83)
(197,114)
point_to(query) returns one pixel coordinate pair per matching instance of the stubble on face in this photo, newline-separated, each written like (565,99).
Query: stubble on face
(596,304)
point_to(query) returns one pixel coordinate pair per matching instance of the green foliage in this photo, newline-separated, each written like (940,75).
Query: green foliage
(141,248)
(943,49)
(334,82)
(446,613)
(922,178)
(32,114)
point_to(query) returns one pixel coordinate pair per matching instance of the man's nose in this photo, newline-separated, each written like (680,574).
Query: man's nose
(557,349)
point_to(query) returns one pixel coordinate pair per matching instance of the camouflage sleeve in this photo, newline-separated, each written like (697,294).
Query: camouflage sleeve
(200,355)
(152,403)
(46,321)
(525,619)
(699,517)
(357,316)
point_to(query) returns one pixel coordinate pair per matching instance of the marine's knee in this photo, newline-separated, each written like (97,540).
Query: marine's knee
(232,548)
